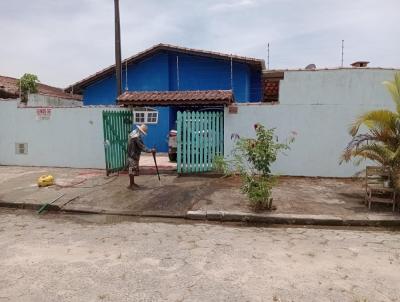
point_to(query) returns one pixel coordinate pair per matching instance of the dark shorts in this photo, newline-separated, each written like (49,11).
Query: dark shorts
(133,167)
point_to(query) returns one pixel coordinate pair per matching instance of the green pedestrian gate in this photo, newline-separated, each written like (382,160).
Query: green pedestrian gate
(200,137)
(116,126)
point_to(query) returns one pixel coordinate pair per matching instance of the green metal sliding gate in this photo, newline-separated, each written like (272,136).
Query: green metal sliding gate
(200,137)
(116,127)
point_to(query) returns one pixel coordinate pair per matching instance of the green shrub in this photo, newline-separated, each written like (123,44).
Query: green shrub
(220,165)
(253,159)
(258,190)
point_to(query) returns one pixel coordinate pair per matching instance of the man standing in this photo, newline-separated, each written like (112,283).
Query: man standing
(135,148)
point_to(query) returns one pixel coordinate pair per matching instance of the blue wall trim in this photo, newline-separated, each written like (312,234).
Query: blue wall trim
(160,73)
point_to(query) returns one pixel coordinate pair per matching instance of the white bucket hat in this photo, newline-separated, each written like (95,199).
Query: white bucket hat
(142,128)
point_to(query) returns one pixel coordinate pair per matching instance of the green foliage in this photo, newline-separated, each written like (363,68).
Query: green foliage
(253,159)
(381,141)
(28,84)
(220,165)
(258,189)
(262,151)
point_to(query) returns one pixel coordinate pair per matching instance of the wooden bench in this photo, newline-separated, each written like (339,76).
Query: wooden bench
(378,186)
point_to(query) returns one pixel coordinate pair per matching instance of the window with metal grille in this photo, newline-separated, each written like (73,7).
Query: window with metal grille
(271,82)
(139,117)
(152,117)
(147,116)
(21,148)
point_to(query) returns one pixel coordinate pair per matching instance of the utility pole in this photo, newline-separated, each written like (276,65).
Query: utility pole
(117,48)
(268,58)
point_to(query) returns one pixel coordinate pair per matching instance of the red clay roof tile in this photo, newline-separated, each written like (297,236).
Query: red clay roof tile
(9,89)
(168,98)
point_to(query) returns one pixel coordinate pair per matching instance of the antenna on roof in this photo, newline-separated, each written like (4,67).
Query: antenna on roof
(311,67)
(342,51)
(20,90)
(268,58)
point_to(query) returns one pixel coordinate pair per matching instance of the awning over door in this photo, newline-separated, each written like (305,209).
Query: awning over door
(177,98)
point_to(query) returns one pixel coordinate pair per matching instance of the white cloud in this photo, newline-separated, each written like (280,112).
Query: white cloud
(227,5)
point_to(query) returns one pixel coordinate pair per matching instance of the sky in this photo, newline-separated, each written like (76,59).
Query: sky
(65,41)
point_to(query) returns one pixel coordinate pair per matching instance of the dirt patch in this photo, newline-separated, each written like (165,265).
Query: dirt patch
(169,199)
(297,195)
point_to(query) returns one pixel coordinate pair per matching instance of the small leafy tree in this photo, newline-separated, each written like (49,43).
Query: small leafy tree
(253,159)
(27,84)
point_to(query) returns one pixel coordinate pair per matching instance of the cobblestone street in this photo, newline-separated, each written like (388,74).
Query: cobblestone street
(104,258)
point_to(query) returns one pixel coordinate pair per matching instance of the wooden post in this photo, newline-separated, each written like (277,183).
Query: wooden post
(179,143)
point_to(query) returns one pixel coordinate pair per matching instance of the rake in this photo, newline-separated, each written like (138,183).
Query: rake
(46,205)
(155,163)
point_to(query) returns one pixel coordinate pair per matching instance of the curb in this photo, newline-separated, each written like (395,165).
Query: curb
(123,213)
(55,208)
(291,219)
(226,216)
(29,206)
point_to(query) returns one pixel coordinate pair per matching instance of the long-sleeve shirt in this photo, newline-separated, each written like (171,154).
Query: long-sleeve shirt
(135,147)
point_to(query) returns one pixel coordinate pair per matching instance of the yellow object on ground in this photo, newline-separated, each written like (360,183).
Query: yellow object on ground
(45,180)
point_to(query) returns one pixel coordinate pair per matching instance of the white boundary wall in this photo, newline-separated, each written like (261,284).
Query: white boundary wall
(72,137)
(319,106)
(36,100)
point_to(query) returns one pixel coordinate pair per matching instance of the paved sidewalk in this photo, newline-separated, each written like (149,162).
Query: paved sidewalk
(298,200)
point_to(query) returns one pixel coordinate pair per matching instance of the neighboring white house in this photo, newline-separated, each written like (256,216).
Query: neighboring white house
(46,95)
(318,106)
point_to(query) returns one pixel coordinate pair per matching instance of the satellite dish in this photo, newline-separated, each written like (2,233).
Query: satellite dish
(311,67)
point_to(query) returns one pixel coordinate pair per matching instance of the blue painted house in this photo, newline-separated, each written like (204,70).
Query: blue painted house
(166,68)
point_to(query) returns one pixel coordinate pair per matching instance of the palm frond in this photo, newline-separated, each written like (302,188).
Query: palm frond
(381,143)
(373,151)
(360,140)
(385,136)
(394,89)
(381,119)
(396,156)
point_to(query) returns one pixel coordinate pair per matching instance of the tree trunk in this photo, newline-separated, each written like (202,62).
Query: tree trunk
(395,176)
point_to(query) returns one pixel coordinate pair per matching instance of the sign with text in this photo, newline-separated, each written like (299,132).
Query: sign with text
(43,113)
